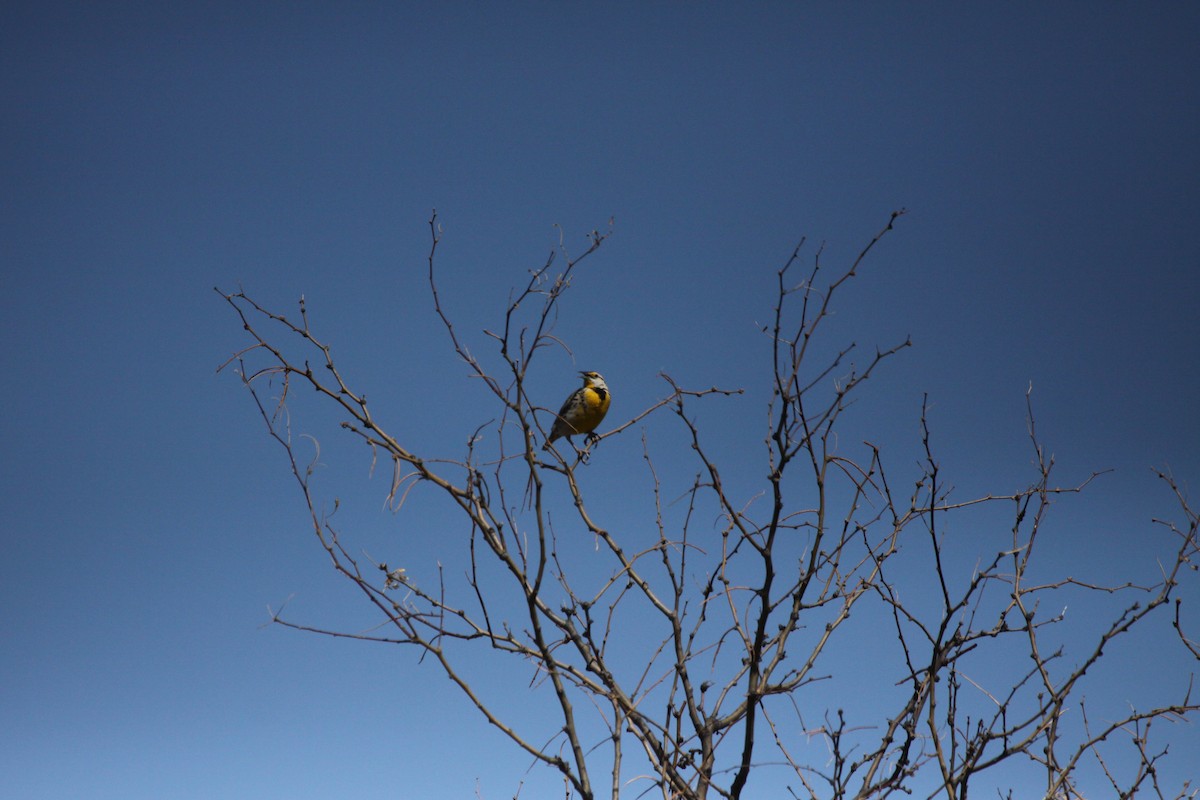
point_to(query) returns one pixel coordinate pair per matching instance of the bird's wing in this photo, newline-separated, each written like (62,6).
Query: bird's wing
(566,406)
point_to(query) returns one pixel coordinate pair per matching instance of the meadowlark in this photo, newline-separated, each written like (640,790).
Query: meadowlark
(583,411)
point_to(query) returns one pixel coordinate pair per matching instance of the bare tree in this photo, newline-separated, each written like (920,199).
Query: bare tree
(707,650)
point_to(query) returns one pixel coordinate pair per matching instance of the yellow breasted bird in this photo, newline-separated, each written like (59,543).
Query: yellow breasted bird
(583,411)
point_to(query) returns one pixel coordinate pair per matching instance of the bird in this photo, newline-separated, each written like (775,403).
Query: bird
(583,410)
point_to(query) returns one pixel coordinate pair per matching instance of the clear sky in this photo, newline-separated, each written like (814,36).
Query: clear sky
(1047,154)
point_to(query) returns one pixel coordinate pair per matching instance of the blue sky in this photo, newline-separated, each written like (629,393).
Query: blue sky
(1046,154)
